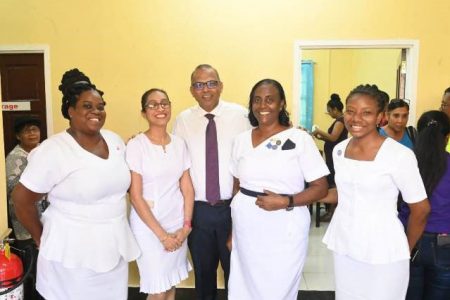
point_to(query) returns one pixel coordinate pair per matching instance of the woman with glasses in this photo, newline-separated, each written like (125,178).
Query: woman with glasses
(162,197)
(371,250)
(397,117)
(271,222)
(334,135)
(28,135)
(430,267)
(85,239)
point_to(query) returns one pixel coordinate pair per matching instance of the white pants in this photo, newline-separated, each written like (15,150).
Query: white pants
(357,280)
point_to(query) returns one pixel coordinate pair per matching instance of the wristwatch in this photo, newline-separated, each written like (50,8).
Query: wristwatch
(291,203)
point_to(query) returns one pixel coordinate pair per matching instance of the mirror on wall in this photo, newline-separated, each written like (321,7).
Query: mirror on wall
(338,71)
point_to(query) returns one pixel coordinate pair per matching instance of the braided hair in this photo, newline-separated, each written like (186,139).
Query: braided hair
(73,83)
(370,90)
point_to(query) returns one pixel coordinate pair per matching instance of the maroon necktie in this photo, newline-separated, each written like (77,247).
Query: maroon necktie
(212,162)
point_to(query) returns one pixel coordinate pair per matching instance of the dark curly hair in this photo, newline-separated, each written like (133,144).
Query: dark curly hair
(370,90)
(73,83)
(283,116)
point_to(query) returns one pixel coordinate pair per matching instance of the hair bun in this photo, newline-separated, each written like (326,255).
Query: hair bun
(335,97)
(72,77)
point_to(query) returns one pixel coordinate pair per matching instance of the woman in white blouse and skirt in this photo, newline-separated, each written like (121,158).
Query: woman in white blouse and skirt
(371,250)
(270,219)
(85,239)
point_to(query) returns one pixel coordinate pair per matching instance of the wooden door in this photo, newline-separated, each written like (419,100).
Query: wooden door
(22,91)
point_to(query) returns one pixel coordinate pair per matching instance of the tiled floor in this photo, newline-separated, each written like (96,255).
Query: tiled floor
(318,274)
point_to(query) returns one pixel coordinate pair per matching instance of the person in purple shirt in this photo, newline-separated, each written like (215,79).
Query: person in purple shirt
(430,262)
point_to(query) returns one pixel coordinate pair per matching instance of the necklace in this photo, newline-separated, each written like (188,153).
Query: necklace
(163,142)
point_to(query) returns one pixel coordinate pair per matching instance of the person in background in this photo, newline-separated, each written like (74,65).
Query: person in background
(371,250)
(162,197)
(336,133)
(397,115)
(208,130)
(85,240)
(430,267)
(385,98)
(445,107)
(28,135)
(271,221)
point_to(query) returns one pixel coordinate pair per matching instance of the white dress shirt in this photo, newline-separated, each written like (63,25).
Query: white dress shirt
(231,119)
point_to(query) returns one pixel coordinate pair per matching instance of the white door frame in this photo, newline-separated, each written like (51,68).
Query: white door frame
(412,62)
(23,49)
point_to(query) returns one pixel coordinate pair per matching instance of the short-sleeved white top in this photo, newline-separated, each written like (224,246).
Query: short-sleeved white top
(86,223)
(365,225)
(161,172)
(283,168)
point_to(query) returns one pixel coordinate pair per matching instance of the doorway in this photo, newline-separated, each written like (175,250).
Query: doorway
(25,88)
(408,74)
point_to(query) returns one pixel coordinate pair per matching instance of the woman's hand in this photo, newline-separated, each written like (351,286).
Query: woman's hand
(170,242)
(182,233)
(272,201)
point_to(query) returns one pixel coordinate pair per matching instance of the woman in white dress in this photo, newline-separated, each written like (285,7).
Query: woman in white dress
(162,197)
(371,250)
(270,219)
(85,239)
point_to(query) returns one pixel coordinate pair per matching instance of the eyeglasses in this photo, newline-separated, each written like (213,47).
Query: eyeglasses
(155,105)
(30,130)
(212,84)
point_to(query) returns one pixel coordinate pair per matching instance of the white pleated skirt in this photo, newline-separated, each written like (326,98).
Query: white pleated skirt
(56,282)
(160,270)
(357,280)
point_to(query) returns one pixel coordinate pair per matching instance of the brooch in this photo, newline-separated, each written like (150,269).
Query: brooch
(273,144)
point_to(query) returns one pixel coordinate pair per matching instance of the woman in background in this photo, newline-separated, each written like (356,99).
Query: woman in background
(270,219)
(335,134)
(430,267)
(85,239)
(162,196)
(28,134)
(397,117)
(371,250)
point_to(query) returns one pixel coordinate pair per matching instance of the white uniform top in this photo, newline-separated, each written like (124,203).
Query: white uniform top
(86,224)
(365,225)
(161,173)
(231,119)
(269,247)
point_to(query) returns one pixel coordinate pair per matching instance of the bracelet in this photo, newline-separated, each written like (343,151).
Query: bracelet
(187,224)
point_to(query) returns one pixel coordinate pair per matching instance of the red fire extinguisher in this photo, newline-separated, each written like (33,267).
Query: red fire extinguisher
(11,272)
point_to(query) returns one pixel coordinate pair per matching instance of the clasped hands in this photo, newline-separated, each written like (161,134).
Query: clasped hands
(272,201)
(173,241)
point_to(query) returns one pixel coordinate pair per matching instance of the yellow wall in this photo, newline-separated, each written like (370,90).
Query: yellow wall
(340,70)
(129,46)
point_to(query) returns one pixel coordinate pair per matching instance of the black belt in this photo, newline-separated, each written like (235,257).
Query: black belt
(256,194)
(218,203)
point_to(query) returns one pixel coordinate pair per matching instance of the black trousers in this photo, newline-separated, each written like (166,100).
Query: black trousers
(211,226)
